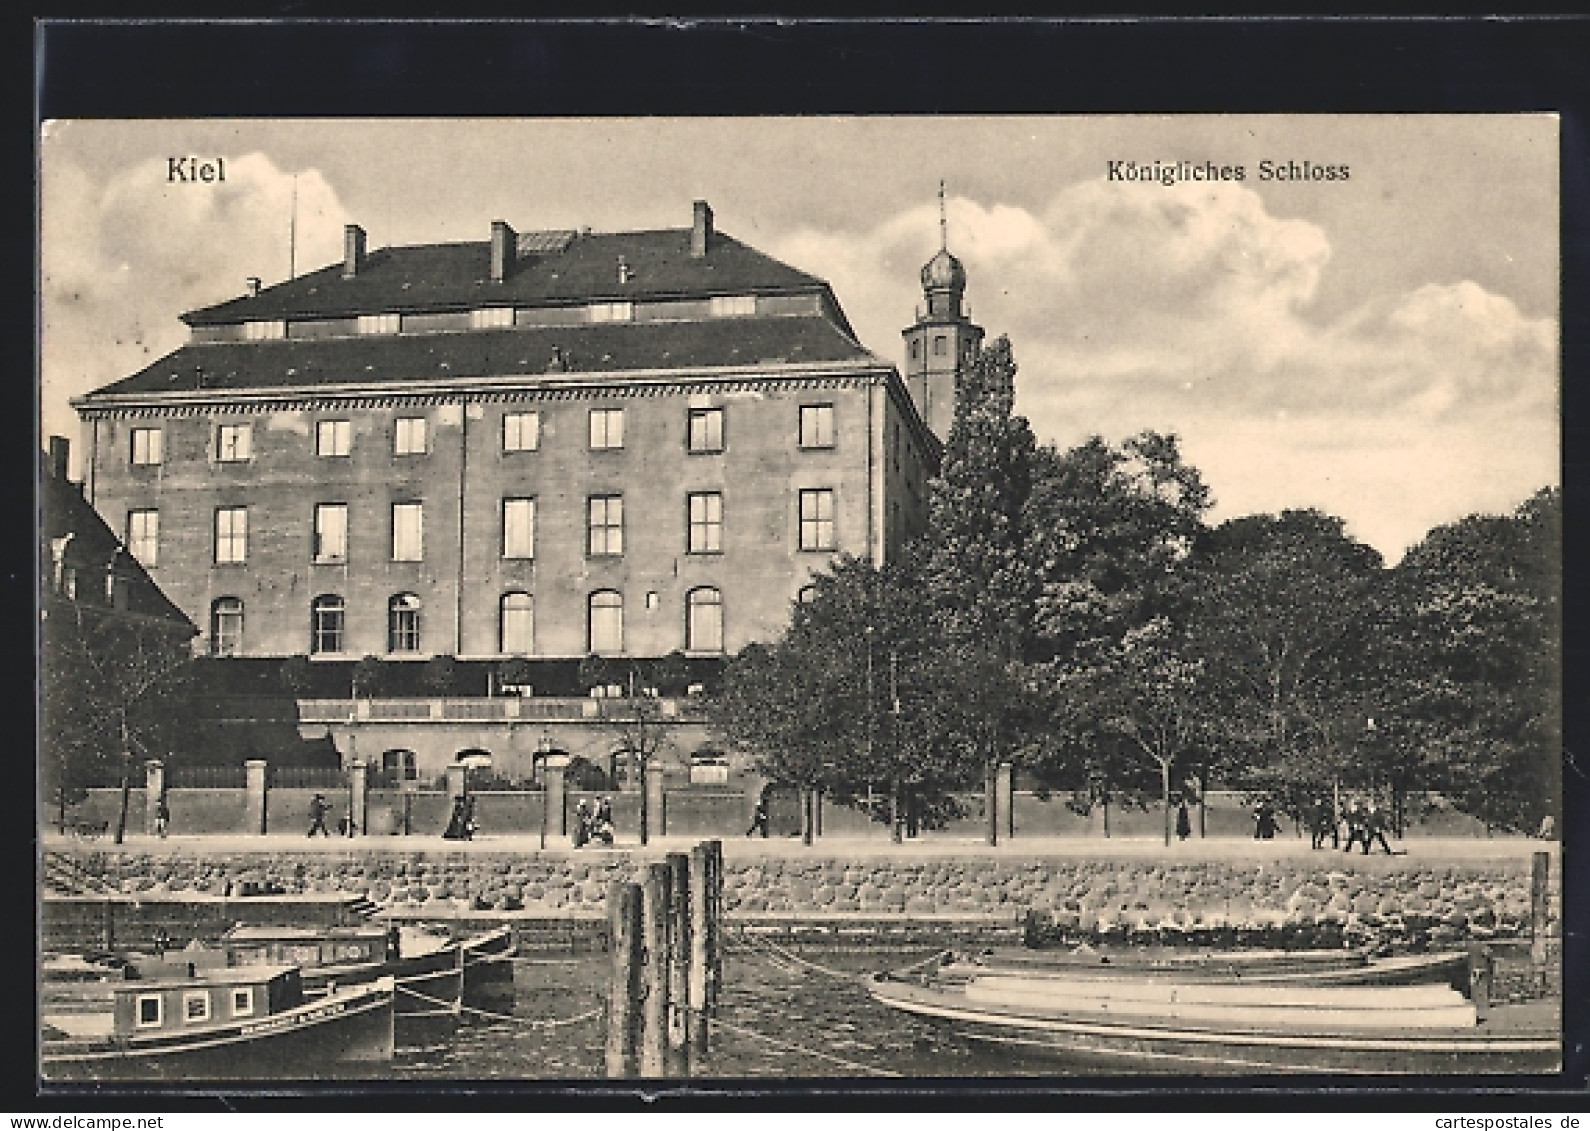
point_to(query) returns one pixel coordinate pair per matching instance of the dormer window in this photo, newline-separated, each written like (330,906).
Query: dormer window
(491,317)
(380,323)
(732,306)
(265,330)
(611,311)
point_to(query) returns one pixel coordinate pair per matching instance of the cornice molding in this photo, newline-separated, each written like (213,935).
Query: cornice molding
(486,390)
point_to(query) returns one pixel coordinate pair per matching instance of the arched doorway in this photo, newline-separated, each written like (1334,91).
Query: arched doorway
(478,770)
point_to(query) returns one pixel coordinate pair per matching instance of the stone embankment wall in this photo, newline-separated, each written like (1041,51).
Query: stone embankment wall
(1393,895)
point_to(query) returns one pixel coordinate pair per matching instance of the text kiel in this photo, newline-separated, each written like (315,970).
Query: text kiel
(186,170)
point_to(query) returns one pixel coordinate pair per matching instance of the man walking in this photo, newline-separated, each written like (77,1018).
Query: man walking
(318,808)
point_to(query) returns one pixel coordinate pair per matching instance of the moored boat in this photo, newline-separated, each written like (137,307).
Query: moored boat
(1159,1026)
(1280,967)
(428,969)
(488,967)
(220,1024)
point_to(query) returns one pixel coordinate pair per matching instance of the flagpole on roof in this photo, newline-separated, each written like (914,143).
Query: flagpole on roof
(292,234)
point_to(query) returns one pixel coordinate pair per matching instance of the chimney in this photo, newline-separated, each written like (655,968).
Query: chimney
(701,231)
(504,247)
(60,448)
(352,250)
(253,286)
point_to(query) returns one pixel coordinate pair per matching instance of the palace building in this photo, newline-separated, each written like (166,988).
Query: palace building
(537,447)
(545,444)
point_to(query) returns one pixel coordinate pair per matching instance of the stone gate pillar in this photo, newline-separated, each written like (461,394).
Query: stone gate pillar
(254,796)
(456,780)
(556,795)
(358,794)
(154,790)
(656,820)
(1004,796)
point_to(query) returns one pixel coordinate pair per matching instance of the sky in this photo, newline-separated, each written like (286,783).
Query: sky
(1382,346)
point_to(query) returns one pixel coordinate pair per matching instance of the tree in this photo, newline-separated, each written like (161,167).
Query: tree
(976,572)
(1478,651)
(862,691)
(636,723)
(368,678)
(1111,529)
(1289,620)
(115,687)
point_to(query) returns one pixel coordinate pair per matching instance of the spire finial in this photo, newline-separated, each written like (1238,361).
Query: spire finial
(944,239)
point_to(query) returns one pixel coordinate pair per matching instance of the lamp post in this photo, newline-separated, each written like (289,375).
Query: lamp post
(543,749)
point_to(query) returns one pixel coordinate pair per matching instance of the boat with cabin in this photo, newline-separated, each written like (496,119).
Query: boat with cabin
(428,968)
(183,1022)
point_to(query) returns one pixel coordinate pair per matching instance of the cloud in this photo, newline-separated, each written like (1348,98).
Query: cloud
(121,259)
(1191,309)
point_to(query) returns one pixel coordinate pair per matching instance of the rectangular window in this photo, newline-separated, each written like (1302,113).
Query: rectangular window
(706,429)
(408,532)
(331,532)
(490,317)
(263,330)
(732,306)
(706,523)
(149,1011)
(333,437)
(518,528)
(231,535)
(195,1006)
(147,447)
(143,536)
(243,1001)
(941,345)
(611,311)
(606,525)
(817,519)
(607,428)
(408,436)
(380,323)
(817,426)
(521,431)
(234,443)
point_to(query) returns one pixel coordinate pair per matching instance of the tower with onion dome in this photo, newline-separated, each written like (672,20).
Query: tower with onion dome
(943,340)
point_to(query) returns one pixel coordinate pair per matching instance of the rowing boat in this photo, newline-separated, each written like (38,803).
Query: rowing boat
(1279,967)
(1136,1025)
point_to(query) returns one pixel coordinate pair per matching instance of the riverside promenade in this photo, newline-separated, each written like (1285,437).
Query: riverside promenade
(1458,888)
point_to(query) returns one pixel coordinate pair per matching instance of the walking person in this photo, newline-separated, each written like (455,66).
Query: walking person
(162,817)
(582,823)
(318,808)
(1356,830)
(759,816)
(602,827)
(1183,822)
(1375,829)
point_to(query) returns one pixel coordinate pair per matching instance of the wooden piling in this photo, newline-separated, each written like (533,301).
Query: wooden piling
(1481,973)
(700,949)
(714,850)
(625,985)
(678,864)
(1539,909)
(654,972)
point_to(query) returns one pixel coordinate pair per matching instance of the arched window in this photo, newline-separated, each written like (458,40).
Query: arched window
(704,620)
(326,619)
(226,626)
(403,623)
(606,636)
(517,624)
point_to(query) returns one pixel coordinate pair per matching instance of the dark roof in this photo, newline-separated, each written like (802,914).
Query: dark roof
(94,547)
(591,348)
(458,277)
